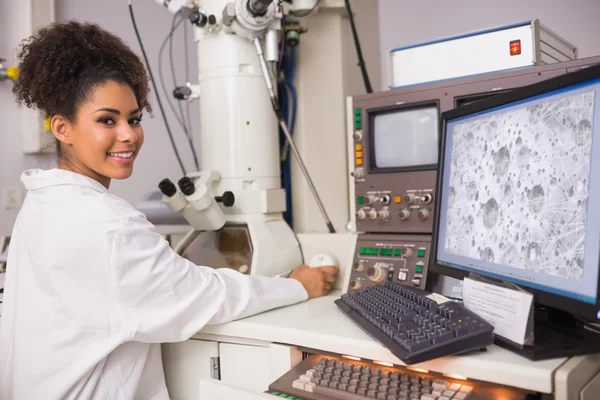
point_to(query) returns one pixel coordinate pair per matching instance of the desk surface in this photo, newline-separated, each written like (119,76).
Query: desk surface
(320,325)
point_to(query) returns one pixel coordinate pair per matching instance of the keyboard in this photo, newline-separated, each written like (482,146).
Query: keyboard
(416,325)
(325,377)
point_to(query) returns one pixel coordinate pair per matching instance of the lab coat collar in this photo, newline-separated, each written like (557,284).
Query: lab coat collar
(39,179)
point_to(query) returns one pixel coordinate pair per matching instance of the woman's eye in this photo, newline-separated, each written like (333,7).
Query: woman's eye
(135,121)
(107,121)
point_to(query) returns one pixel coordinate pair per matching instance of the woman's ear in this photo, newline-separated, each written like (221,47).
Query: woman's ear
(61,128)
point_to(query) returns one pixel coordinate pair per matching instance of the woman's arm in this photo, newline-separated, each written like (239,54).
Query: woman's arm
(162,297)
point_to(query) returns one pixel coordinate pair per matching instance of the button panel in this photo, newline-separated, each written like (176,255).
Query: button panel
(399,258)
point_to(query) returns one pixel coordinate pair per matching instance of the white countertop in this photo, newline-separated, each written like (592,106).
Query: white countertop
(320,325)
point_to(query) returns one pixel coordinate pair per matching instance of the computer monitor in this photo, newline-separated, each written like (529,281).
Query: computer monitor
(519,188)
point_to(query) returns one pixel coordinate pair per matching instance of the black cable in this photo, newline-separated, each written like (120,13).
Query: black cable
(137,34)
(307,12)
(361,60)
(162,78)
(185,130)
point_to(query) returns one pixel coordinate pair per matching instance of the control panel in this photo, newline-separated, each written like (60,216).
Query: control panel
(394,171)
(399,258)
(403,204)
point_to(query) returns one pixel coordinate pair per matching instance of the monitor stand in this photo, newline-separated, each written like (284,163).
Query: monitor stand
(556,334)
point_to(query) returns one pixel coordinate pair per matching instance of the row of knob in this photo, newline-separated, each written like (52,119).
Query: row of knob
(409,198)
(385,214)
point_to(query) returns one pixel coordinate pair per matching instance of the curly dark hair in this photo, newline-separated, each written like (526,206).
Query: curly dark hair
(63,63)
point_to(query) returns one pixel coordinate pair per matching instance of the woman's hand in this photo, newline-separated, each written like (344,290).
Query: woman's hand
(317,281)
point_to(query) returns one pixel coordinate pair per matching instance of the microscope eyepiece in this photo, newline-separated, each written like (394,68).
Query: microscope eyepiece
(167,187)
(187,186)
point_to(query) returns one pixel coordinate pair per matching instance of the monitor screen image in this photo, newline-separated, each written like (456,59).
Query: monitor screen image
(520,192)
(406,138)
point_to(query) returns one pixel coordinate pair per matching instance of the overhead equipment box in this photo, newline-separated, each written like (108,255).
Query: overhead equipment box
(491,50)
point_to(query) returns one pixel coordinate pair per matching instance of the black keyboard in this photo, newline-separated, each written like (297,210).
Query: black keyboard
(414,327)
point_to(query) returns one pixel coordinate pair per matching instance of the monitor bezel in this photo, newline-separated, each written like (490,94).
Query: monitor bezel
(373,112)
(541,297)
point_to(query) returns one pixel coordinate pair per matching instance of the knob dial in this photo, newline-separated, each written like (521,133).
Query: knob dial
(385,199)
(423,214)
(406,251)
(376,273)
(361,214)
(355,285)
(384,214)
(370,199)
(404,214)
(427,198)
(411,198)
(359,267)
(359,174)
(358,135)
(373,214)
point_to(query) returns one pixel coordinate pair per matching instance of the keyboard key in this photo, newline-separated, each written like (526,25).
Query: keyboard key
(461,396)
(454,386)
(439,384)
(336,394)
(466,389)
(298,384)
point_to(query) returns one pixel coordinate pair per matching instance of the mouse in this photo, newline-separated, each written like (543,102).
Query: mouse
(322,260)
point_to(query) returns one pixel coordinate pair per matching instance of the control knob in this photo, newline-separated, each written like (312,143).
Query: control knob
(358,135)
(377,273)
(370,199)
(427,198)
(385,199)
(423,214)
(359,174)
(384,214)
(359,267)
(411,198)
(406,251)
(361,214)
(355,285)
(373,214)
(404,214)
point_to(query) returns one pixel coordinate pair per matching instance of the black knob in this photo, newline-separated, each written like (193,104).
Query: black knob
(212,19)
(199,19)
(227,199)
(187,186)
(182,92)
(258,8)
(167,187)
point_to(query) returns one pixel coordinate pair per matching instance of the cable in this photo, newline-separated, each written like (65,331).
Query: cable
(185,129)
(162,78)
(361,60)
(307,12)
(137,34)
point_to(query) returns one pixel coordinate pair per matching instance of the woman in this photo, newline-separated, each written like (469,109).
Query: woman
(91,288)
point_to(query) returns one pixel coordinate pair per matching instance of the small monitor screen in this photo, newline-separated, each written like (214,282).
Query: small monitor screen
(406,138)
(520,193)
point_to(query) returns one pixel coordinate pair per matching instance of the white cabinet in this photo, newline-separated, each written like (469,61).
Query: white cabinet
(186,363)
(249,367)
(255,367)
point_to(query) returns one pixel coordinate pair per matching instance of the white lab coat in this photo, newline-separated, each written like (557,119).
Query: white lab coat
(91,290)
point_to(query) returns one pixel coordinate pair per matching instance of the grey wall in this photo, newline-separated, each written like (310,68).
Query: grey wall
(404,22)
(157,160)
